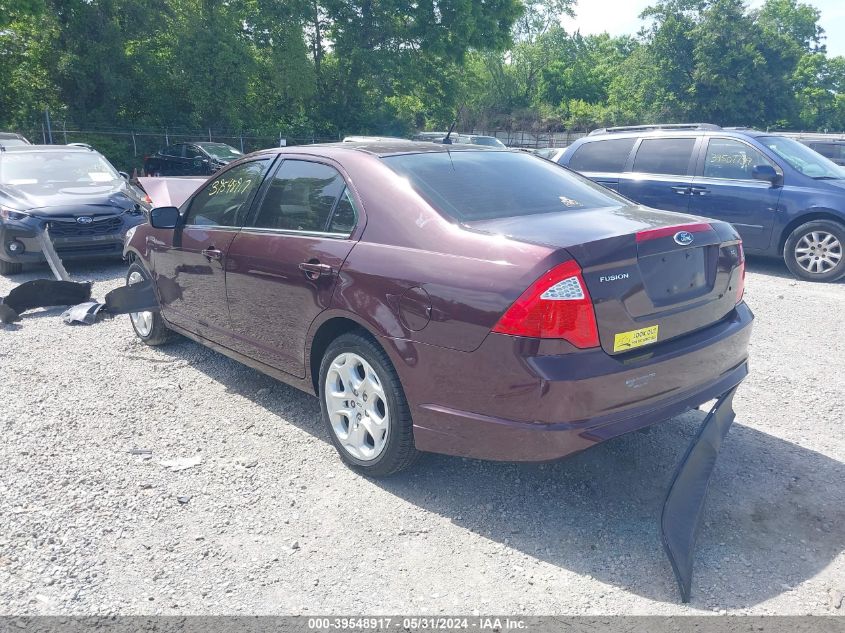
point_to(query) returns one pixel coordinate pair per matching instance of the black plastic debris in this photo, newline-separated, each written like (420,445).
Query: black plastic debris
(7,315)
(85,313)
(682,510)
(42,293)
(138,297)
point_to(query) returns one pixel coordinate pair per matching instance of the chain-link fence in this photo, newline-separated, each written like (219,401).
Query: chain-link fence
(533,140)
(126,148)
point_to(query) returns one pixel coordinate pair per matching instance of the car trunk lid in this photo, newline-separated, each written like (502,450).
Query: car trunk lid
(652,275)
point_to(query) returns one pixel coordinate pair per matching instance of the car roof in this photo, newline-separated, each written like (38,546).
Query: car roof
(670,131)
(381,149)
(23,149)
(10,135)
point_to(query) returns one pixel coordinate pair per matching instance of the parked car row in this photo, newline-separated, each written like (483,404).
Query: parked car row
(456,138)
(785,199)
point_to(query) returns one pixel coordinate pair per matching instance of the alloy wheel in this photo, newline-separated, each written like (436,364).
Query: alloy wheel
(357,406)
(818,252)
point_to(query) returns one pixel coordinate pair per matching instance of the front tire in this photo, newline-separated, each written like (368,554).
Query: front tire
(364,407)
(815,251)
(10,268)
(148,326)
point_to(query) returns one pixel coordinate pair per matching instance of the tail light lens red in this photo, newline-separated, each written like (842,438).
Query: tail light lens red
(740,287)
(557,305)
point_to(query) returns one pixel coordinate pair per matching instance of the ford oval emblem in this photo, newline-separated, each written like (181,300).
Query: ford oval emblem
(87,219)
(684,238)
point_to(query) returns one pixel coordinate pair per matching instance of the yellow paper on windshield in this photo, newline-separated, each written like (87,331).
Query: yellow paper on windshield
(635,338)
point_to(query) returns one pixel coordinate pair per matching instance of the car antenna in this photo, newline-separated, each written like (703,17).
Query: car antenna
(446,139)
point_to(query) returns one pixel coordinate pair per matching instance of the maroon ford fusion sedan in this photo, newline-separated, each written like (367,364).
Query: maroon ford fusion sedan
(452,299)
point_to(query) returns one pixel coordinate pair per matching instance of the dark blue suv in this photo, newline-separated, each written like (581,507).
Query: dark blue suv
(784,199)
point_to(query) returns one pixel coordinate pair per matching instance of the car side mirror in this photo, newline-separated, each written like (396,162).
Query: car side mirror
(124,175)
(164,217)
(765,172)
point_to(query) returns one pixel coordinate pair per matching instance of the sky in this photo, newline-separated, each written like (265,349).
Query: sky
(620,17)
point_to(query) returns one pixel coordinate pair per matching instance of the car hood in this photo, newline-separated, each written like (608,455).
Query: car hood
(43,200)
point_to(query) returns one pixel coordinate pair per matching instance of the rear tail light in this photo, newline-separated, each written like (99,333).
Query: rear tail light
(667,231)
(740,286)
(557,305)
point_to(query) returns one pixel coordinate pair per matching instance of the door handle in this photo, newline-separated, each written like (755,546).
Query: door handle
(699,191)
(681,191)
(212,253)
(315,270)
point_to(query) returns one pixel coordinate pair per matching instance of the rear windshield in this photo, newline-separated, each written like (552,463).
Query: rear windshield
(485,185)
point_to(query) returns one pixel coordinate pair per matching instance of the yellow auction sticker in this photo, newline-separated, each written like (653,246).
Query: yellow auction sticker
(635,338)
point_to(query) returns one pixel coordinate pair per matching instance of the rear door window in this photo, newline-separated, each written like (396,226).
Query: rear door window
(301,197)
(605,156)
(665,156)
(731,159)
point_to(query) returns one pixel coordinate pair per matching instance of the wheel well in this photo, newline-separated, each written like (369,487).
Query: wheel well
(325,334)
(818,215)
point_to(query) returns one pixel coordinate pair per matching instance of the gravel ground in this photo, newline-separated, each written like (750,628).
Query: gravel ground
(270,521)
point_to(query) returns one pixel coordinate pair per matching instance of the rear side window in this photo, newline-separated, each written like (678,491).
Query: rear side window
(482,185)
(668,156)
(609,156)
(301,197)
(731,159)
(345,217)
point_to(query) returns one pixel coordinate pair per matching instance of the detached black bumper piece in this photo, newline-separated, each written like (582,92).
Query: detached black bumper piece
(681,516)
(42,293)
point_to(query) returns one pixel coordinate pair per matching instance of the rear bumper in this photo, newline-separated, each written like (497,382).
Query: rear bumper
(544,407)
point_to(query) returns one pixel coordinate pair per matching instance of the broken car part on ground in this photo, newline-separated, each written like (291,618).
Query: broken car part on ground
(46,293)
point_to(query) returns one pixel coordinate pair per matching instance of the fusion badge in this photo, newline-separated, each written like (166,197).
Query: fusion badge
(635,338)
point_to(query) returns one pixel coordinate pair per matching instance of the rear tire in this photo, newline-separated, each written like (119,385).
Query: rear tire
(148,326)
(10,268)
(815,251)
(364,407)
